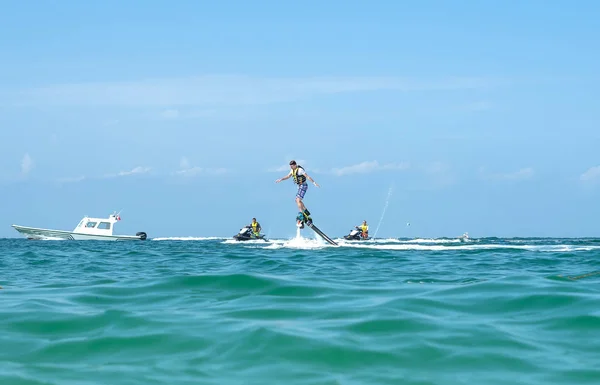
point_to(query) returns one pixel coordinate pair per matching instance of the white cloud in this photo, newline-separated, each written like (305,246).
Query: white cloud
(286,167)
(71,179)
(436,168)
(364,167)
(214,90)
(283,168)
(591,174)
(192,171)
(170,114)
(522,174)
(137,170)
(369,166)
(111,122)
(186,169)
(26,164)
(134,171)
(189,171)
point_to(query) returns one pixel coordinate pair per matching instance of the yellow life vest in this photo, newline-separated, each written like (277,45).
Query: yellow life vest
(298,179)
(254,226)
(364,228)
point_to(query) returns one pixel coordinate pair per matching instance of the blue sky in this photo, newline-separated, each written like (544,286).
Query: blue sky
(480,116)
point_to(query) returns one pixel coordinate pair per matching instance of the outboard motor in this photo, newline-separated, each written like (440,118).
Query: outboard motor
(142,235)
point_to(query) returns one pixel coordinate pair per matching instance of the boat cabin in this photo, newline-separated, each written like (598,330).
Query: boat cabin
(97,226)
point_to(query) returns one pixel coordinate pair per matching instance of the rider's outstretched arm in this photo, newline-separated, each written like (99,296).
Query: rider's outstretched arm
(311,179)
(284,178)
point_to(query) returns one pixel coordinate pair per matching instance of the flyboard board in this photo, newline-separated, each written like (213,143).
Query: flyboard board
(306,219)
(322,234)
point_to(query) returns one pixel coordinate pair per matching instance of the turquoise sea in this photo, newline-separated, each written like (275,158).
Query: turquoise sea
(214,311)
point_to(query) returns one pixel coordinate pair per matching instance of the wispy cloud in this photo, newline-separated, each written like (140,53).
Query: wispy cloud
(214,90)
(364,167)
(593,173)
(522,174)
(26,164)
(194,171)
(286,166)
(436,167)
(134,171)
(170,114)
(71,179)
(368,167)
(186,169)
(111,122)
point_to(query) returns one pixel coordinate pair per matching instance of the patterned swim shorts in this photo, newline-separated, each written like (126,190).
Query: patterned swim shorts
(302,190)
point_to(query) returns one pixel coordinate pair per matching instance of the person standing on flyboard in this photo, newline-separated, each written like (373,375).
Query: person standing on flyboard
(300,176)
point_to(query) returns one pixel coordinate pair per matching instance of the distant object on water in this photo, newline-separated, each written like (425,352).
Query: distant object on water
(246,234)
(356,235)
(88,229)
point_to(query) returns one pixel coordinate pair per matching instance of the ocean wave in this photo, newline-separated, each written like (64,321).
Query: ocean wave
(299,311)
(187,238)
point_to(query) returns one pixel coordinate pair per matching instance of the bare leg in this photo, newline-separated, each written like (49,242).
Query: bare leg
(300,204)
(303,214)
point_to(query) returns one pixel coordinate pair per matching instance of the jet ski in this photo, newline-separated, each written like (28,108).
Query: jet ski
(355,235)
(246,234)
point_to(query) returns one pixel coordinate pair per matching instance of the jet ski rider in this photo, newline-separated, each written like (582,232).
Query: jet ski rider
(255,227)
(364,228)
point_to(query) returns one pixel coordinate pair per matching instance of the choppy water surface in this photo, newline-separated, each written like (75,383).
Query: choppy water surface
(213,311)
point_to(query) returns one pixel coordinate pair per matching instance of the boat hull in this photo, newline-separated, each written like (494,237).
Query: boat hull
(36,233)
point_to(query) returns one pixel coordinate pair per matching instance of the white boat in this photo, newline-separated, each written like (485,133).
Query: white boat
(88,229)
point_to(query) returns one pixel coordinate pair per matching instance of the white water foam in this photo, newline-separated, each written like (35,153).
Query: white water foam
(187,238)
(423,244)
(299,242)
(247,242)
(409,241)
(405,247)
(432,240)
